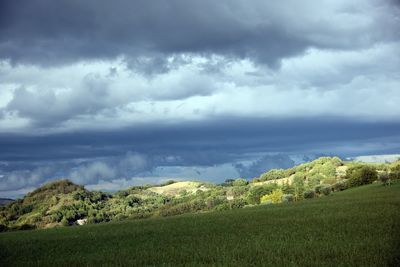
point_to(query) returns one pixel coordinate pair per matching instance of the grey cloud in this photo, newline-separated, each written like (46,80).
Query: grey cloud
(18,179)
(92,172)
(45,32)
(22,174)
(44,106)
(203,143)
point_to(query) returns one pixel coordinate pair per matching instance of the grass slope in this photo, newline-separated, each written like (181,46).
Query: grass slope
(357,227)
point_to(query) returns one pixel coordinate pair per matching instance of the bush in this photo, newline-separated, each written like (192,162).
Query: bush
(324,189)
(56,217)
(330,181)
(288,189)
(287,198)
(223,206)
(237,203)
(361,174)
(298,184)
(64,222)
(274,197)
(318,188)
(273,174)
(384,178)
(240,182)
(3,228)
(238,191)
(228,182)
(340,186)
(24,226)
(314,179)
(256,192)
(211,202)
(309,194)
(168,182)
(120,217)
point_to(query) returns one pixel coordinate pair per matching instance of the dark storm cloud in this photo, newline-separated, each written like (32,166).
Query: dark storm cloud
(56,32)
(217,139)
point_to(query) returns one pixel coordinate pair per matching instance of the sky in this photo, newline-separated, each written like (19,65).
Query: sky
(111,94)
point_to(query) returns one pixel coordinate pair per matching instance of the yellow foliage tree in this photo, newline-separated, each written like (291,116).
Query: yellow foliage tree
(274,197)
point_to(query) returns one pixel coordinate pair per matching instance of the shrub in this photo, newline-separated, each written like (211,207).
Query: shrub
(314,179)
(288,189)
(256,192)
(287,198)
(361,174)
(223,206)
(120,217)
(3,228)
(168,182)
(309,194)
(318,188)
(64,222)
(330,181)
(239,191)
(240,182)
(298,184)
(395,170)
(274,197)
(326,189)
(340,186)
(273,174)
(24,226)
(384,178)
(26,209)
(237,203)
(211,202)
(228,182)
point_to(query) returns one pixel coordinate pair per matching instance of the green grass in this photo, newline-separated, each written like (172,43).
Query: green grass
(357,227)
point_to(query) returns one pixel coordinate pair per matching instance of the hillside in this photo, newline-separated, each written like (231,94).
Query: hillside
(63,203)
(5,201)
(356,227)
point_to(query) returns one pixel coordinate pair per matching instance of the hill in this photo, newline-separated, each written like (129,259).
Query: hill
(5,201)
(63,203)
(356,227)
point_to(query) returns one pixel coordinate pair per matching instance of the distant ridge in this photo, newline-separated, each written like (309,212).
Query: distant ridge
(5,201)
(376,158)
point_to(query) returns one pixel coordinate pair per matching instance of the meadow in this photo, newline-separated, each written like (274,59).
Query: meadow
(355,227)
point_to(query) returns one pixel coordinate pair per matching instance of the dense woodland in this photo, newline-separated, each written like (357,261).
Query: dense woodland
(63,203)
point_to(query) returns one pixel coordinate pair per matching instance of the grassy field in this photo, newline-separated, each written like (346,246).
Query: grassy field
(356,227)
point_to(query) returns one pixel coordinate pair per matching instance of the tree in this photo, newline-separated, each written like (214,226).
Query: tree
(361,174)
(298,184)
(309,194)
(274,197)
(240,182)
(273,174)
(256,192)
(64,222)
(287,188)
(228,182)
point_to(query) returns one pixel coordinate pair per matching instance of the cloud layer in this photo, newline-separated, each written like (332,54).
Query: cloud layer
(46,32)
